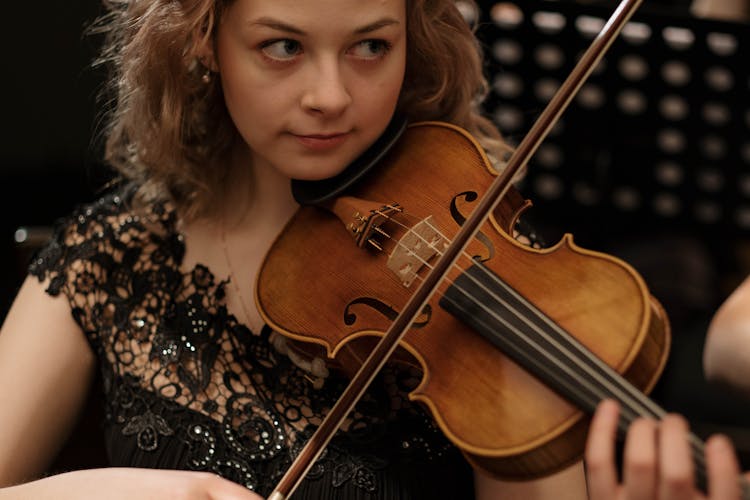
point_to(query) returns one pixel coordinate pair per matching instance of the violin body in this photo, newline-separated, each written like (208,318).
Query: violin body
(320,289)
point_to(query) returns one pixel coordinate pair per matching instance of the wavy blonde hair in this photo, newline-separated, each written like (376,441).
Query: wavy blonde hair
(170,131)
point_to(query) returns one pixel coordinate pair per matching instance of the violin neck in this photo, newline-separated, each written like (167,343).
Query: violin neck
(529,337)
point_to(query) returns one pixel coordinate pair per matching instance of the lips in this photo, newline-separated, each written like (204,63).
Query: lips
(321,142)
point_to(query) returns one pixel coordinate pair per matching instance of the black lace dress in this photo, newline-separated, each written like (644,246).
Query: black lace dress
(186,386)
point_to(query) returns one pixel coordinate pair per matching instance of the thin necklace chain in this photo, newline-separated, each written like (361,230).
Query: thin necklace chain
(233,276)
(314,369)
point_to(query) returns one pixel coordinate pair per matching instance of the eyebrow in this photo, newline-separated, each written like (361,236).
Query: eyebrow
(278,25)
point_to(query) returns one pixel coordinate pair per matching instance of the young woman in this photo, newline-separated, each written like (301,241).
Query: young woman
(218,103)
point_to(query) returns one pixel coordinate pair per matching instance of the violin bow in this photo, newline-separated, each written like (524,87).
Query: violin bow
(416,303)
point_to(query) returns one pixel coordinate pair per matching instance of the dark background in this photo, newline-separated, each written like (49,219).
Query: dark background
(49,158)
(50,161)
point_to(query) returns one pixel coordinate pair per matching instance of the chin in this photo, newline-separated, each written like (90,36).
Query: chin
(316,176)
(321,171)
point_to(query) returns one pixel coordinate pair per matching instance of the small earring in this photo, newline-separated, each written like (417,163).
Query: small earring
(206,78)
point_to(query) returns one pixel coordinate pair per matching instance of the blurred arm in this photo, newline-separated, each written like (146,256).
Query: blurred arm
(726,357)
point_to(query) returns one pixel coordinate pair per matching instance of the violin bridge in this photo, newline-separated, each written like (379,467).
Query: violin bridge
(414,250)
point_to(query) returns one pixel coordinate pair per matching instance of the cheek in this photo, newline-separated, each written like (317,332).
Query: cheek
(249,103)
(381,100)
(391,85)
(246,94)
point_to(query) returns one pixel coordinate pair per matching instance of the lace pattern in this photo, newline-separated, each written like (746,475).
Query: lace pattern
(188,386)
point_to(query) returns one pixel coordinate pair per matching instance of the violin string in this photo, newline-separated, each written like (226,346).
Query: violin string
(629,410)
(492,275)
(593,362)
(654,410)
(616,386)
(499,282)
(629,400)
(647,404)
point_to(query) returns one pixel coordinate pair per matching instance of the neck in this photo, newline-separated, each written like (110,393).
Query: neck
(257,194)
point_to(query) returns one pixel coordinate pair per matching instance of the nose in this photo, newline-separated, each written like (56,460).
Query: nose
(326,91)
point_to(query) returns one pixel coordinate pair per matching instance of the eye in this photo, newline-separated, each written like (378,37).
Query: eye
(371,49)
(281,50)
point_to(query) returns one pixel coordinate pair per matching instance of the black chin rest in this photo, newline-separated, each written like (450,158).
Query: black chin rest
(318,192)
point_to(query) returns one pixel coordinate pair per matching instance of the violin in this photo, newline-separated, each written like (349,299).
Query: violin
(491,406)
(413,261)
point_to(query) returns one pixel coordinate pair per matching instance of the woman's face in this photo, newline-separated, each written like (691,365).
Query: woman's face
(310,84)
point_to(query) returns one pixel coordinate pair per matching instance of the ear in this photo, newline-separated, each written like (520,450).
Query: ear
(206,54)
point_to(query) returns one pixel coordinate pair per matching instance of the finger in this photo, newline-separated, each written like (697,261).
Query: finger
(219,488)
(639,463)
(601,473)
(722,468)
(675,459)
